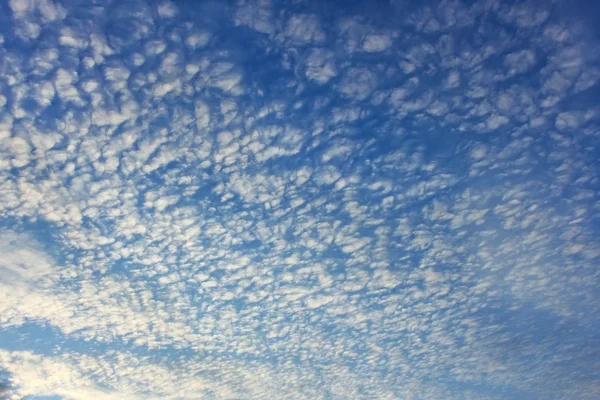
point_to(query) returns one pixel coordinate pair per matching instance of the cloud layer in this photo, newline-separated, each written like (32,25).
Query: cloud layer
(265,200)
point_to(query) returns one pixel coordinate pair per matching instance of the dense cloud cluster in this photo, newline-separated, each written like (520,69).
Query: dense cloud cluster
(291,200)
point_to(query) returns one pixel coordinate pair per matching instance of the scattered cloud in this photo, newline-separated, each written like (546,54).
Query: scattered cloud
(264,200)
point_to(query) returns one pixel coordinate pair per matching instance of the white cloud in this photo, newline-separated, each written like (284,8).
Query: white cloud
(319,301)
(357,83)
(496,121)
(117,76)
(20,7)
(320,66)
(255,14)
(520,61)
(478,152)
(19,150)
(154,47)
(167,9)
(197,40)
(327,175)
(375,43)
(70,38)
(304,29)
(171,65)
(568,120)
(21,265)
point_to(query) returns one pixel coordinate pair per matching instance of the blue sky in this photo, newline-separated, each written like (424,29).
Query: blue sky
(299,200)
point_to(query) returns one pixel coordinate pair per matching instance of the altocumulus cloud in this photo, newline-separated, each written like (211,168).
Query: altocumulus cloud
(282,200)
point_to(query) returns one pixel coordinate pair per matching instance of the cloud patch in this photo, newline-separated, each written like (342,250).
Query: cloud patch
(298,201)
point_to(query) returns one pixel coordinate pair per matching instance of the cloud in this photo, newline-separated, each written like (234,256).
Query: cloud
(263,200)
(49,10)
(6,385)
(320,66)
(254,14)
(357,83)
(22,265)
(304,28)
(519,62)
(375,43)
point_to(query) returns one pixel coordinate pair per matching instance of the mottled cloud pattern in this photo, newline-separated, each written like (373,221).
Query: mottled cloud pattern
(299,200)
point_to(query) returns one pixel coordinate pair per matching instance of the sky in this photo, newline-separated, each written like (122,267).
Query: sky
(321,200)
